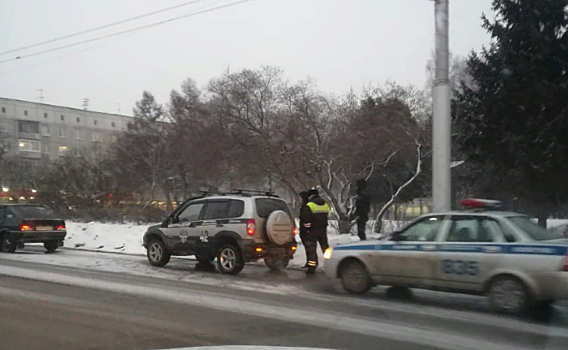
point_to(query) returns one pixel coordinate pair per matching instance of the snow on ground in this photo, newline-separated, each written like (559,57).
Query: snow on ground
(96,236)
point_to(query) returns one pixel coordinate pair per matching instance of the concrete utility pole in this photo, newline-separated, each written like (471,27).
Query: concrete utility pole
(441,127)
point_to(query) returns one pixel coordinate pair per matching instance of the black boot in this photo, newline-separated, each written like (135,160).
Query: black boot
(311,270)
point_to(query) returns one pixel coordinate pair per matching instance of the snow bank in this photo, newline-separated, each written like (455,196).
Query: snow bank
(96,236)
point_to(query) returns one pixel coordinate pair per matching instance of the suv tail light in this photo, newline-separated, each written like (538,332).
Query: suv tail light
(251,227)
(566,263)
(27,226)
(295,230)
(59,227)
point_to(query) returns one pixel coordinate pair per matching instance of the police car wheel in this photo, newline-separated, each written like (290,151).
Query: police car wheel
(157,253)
(205,260)
(276,263)
(230,260)
(354,277)
(508,295)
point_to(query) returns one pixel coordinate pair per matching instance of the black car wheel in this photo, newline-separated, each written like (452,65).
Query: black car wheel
(230,260)
(7,244)
(51,246)
(157,253)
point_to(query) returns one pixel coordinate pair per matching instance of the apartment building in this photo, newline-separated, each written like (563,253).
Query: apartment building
(37,131)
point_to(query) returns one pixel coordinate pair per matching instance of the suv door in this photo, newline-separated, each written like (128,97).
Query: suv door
(412,259)
(469,251)
(182,232)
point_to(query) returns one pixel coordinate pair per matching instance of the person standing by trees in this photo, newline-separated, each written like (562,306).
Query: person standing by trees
(362,208)
(315,221)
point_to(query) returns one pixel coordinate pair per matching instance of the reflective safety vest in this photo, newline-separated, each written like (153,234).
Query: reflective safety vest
(318,209)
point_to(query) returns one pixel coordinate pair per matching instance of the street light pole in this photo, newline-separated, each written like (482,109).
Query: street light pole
(441,127)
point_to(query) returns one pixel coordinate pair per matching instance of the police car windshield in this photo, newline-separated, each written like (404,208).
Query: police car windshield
(530,228)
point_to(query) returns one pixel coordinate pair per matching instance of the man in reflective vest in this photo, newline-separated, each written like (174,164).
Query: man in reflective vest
(315,221)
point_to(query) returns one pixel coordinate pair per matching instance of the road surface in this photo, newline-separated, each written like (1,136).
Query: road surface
(85,300)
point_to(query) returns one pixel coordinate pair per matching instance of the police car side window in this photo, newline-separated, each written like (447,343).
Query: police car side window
(473,229)
(216,210)
(191,212)
(425,230)
(236,209)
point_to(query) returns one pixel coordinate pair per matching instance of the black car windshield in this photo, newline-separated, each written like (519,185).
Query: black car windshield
(265,206)
(32,212)
(535,231)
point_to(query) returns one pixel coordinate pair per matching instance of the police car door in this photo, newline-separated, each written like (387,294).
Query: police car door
(215,211)
(469,252)
(181,233)
(219,216)
(411,259)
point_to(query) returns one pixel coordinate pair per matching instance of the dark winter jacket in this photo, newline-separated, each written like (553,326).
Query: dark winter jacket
(305,217)
(316,217)
(362,205)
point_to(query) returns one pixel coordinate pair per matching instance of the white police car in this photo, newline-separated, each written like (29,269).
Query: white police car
(500,254)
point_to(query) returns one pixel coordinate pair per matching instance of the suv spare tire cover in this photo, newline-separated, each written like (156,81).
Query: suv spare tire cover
(279,227)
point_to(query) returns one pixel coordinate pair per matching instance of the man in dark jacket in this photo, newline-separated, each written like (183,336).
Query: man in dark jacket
(315,221)
(362,208)
(305,214)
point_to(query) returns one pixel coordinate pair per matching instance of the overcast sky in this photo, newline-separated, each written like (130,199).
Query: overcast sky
(339,43)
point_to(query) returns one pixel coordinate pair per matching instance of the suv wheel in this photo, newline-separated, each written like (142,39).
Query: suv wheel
(157,253)
(50,246)
(7,245)
(230,260)
(276,263)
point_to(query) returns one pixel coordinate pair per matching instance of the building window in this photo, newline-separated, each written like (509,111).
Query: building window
(46,148)
(62,117)
(25,112)
(78,120)
(76,152)
(113,125)
(45,115)
(62,133)
(28,127)
(96,137)
(112,138)
(29,145)
(95,121)
(45,130)
(3,109)
(78,134)
(63,150)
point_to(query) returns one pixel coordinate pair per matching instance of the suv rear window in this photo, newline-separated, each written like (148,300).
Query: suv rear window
(32,212)
(265,206)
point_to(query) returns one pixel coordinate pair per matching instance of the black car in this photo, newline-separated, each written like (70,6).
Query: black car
(21,224)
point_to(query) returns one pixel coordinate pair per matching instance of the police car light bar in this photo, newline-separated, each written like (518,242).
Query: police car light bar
(480,203)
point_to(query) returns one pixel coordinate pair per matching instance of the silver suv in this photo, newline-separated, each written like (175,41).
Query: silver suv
(234,228)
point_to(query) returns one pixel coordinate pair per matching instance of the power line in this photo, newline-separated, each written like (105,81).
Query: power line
(126,31)
(101,27)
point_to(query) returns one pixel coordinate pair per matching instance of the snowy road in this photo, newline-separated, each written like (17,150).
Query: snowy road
(76,299)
